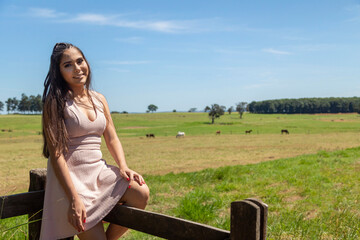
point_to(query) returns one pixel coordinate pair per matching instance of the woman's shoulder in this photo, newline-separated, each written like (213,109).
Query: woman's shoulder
(98,98)
(96,94)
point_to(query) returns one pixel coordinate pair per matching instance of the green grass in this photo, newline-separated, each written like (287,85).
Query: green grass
(310,197)
(314,196)
(20,232)
(168,124)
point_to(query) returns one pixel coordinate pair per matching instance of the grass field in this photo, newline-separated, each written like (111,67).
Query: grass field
(310,183)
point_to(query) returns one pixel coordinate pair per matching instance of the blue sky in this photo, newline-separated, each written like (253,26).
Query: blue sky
(185,54)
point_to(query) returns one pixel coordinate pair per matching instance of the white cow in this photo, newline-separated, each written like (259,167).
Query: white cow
(180,134)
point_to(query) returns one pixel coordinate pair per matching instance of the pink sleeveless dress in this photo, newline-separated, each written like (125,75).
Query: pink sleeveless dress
(98,184)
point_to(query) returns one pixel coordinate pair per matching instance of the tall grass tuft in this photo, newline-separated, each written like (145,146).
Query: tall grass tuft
(199,205)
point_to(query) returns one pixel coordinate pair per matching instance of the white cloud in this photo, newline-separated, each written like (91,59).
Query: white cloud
(159,26)
(45,13)
(120,20)
(91,18)
(277,52)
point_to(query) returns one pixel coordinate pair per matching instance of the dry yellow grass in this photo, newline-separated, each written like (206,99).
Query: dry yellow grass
(168,154)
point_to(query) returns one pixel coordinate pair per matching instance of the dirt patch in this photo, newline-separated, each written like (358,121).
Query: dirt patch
(293,198)
(338,120)
(329,114)
(276,184)
(311,214)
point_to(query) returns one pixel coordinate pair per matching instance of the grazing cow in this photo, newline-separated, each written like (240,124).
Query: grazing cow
(180,134)
(150,135)
(218,132)
(284,131)
(248,131)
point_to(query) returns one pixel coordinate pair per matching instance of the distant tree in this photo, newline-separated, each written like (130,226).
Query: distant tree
(306,105)
(192,110)
(8,104)
(24,104)
(216,111)
(14,104)
(124,112)
(152,108)
(11,104)
(1,106)
(32,104)
(35,103)
(114,112)
(207,108)
(174,110)
(230,109)
(241,108)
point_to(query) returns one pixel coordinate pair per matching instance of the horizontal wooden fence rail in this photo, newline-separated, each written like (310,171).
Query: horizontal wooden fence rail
(248,217)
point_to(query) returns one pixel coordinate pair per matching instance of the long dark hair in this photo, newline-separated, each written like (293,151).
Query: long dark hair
(56,91)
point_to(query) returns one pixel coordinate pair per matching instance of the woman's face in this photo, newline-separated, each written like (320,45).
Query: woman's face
(74,68)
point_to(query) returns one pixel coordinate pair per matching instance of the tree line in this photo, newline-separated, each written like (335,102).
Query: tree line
(26,105)
(306,105)
(33,104)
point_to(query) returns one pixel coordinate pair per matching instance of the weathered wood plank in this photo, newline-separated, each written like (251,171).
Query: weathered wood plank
(263,216)
(152,223)
(245,221)
(163,226)
(21,204)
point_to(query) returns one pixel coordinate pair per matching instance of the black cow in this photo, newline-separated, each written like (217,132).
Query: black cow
(284,131)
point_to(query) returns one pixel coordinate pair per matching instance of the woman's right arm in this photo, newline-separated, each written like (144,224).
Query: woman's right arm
(77,211)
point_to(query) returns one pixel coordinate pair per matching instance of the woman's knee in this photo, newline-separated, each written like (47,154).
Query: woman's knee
(136,196)
(144,194)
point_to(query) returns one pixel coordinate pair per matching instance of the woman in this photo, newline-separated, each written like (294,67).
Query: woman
(81,188)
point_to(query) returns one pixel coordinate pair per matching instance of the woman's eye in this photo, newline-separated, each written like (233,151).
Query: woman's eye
(67,65)
(79,61)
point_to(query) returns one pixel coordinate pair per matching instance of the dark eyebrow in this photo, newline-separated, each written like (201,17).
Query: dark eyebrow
(71,60)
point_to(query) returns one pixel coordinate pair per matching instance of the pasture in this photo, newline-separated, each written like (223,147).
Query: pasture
(308,189)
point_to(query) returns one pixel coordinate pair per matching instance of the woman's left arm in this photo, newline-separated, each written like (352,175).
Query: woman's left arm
(114,145)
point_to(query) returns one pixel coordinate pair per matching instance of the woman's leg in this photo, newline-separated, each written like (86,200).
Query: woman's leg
(95,233)
(136,196)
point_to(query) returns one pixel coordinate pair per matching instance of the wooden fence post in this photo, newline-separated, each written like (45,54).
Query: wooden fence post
(37,182)
(245,221)
(263,216)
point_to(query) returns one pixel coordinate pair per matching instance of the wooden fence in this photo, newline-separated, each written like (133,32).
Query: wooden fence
(248,217)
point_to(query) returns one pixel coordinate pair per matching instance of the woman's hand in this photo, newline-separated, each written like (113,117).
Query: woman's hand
(77,214)
(131,175)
